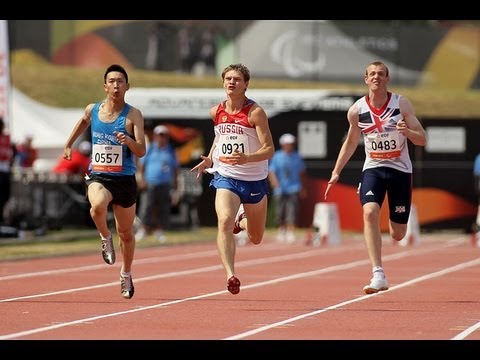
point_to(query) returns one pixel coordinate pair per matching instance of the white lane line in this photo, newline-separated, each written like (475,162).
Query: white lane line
(286,278)
(93,318)
(273,259)
(102,266)
(150,260)
(451,269)
(143,308)
(176,257)
(311,273)
(464,334)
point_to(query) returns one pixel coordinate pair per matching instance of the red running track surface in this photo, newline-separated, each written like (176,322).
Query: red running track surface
(289,292)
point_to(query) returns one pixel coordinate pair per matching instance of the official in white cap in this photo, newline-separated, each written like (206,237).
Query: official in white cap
(287,139)
(161,129)
(287,178)
(157,179)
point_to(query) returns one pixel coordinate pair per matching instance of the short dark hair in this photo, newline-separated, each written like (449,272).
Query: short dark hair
(115,67)
(242,69)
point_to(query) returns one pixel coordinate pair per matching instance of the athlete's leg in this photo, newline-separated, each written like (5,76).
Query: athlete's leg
(399,193)
(99,198)
(226,207)
(397,231)
(256,219)
(124,219)
(371,232)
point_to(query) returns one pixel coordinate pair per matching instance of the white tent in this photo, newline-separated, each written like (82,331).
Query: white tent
(49,126)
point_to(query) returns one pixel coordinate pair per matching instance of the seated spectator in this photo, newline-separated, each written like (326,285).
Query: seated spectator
(79,163)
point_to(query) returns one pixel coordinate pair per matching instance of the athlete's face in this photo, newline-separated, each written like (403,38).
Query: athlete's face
(115,84)
(376,77)
(234,82)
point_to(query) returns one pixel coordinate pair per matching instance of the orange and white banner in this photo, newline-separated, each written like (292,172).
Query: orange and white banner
(4,74)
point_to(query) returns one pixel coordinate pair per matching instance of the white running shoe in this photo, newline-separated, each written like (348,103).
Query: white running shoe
(377,283)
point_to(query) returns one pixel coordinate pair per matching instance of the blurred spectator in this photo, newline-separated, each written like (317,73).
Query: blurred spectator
(26,153)
(79,163)
(287,179)
(151,58)
(6,161)
(159,46)
(187,40)
(208,52)
(157,179)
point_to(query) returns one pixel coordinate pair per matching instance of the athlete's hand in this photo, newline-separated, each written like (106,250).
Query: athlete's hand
(333,180)
(121,137)
(67,153)
(236,158)
(202,166)
(402,127)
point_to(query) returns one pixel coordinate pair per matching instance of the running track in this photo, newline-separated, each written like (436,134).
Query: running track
(289,292)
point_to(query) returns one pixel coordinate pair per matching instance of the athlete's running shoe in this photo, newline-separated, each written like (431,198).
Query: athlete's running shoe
(377,283)
(233,285)
(108,252)
(240,215)
(126,286)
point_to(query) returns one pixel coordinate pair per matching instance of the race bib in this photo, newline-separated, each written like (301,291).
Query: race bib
(384,145)
(228,144)
(107,158)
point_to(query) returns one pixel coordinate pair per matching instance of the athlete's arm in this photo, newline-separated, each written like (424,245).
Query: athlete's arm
(82,124)
(411,126)
(348,147)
